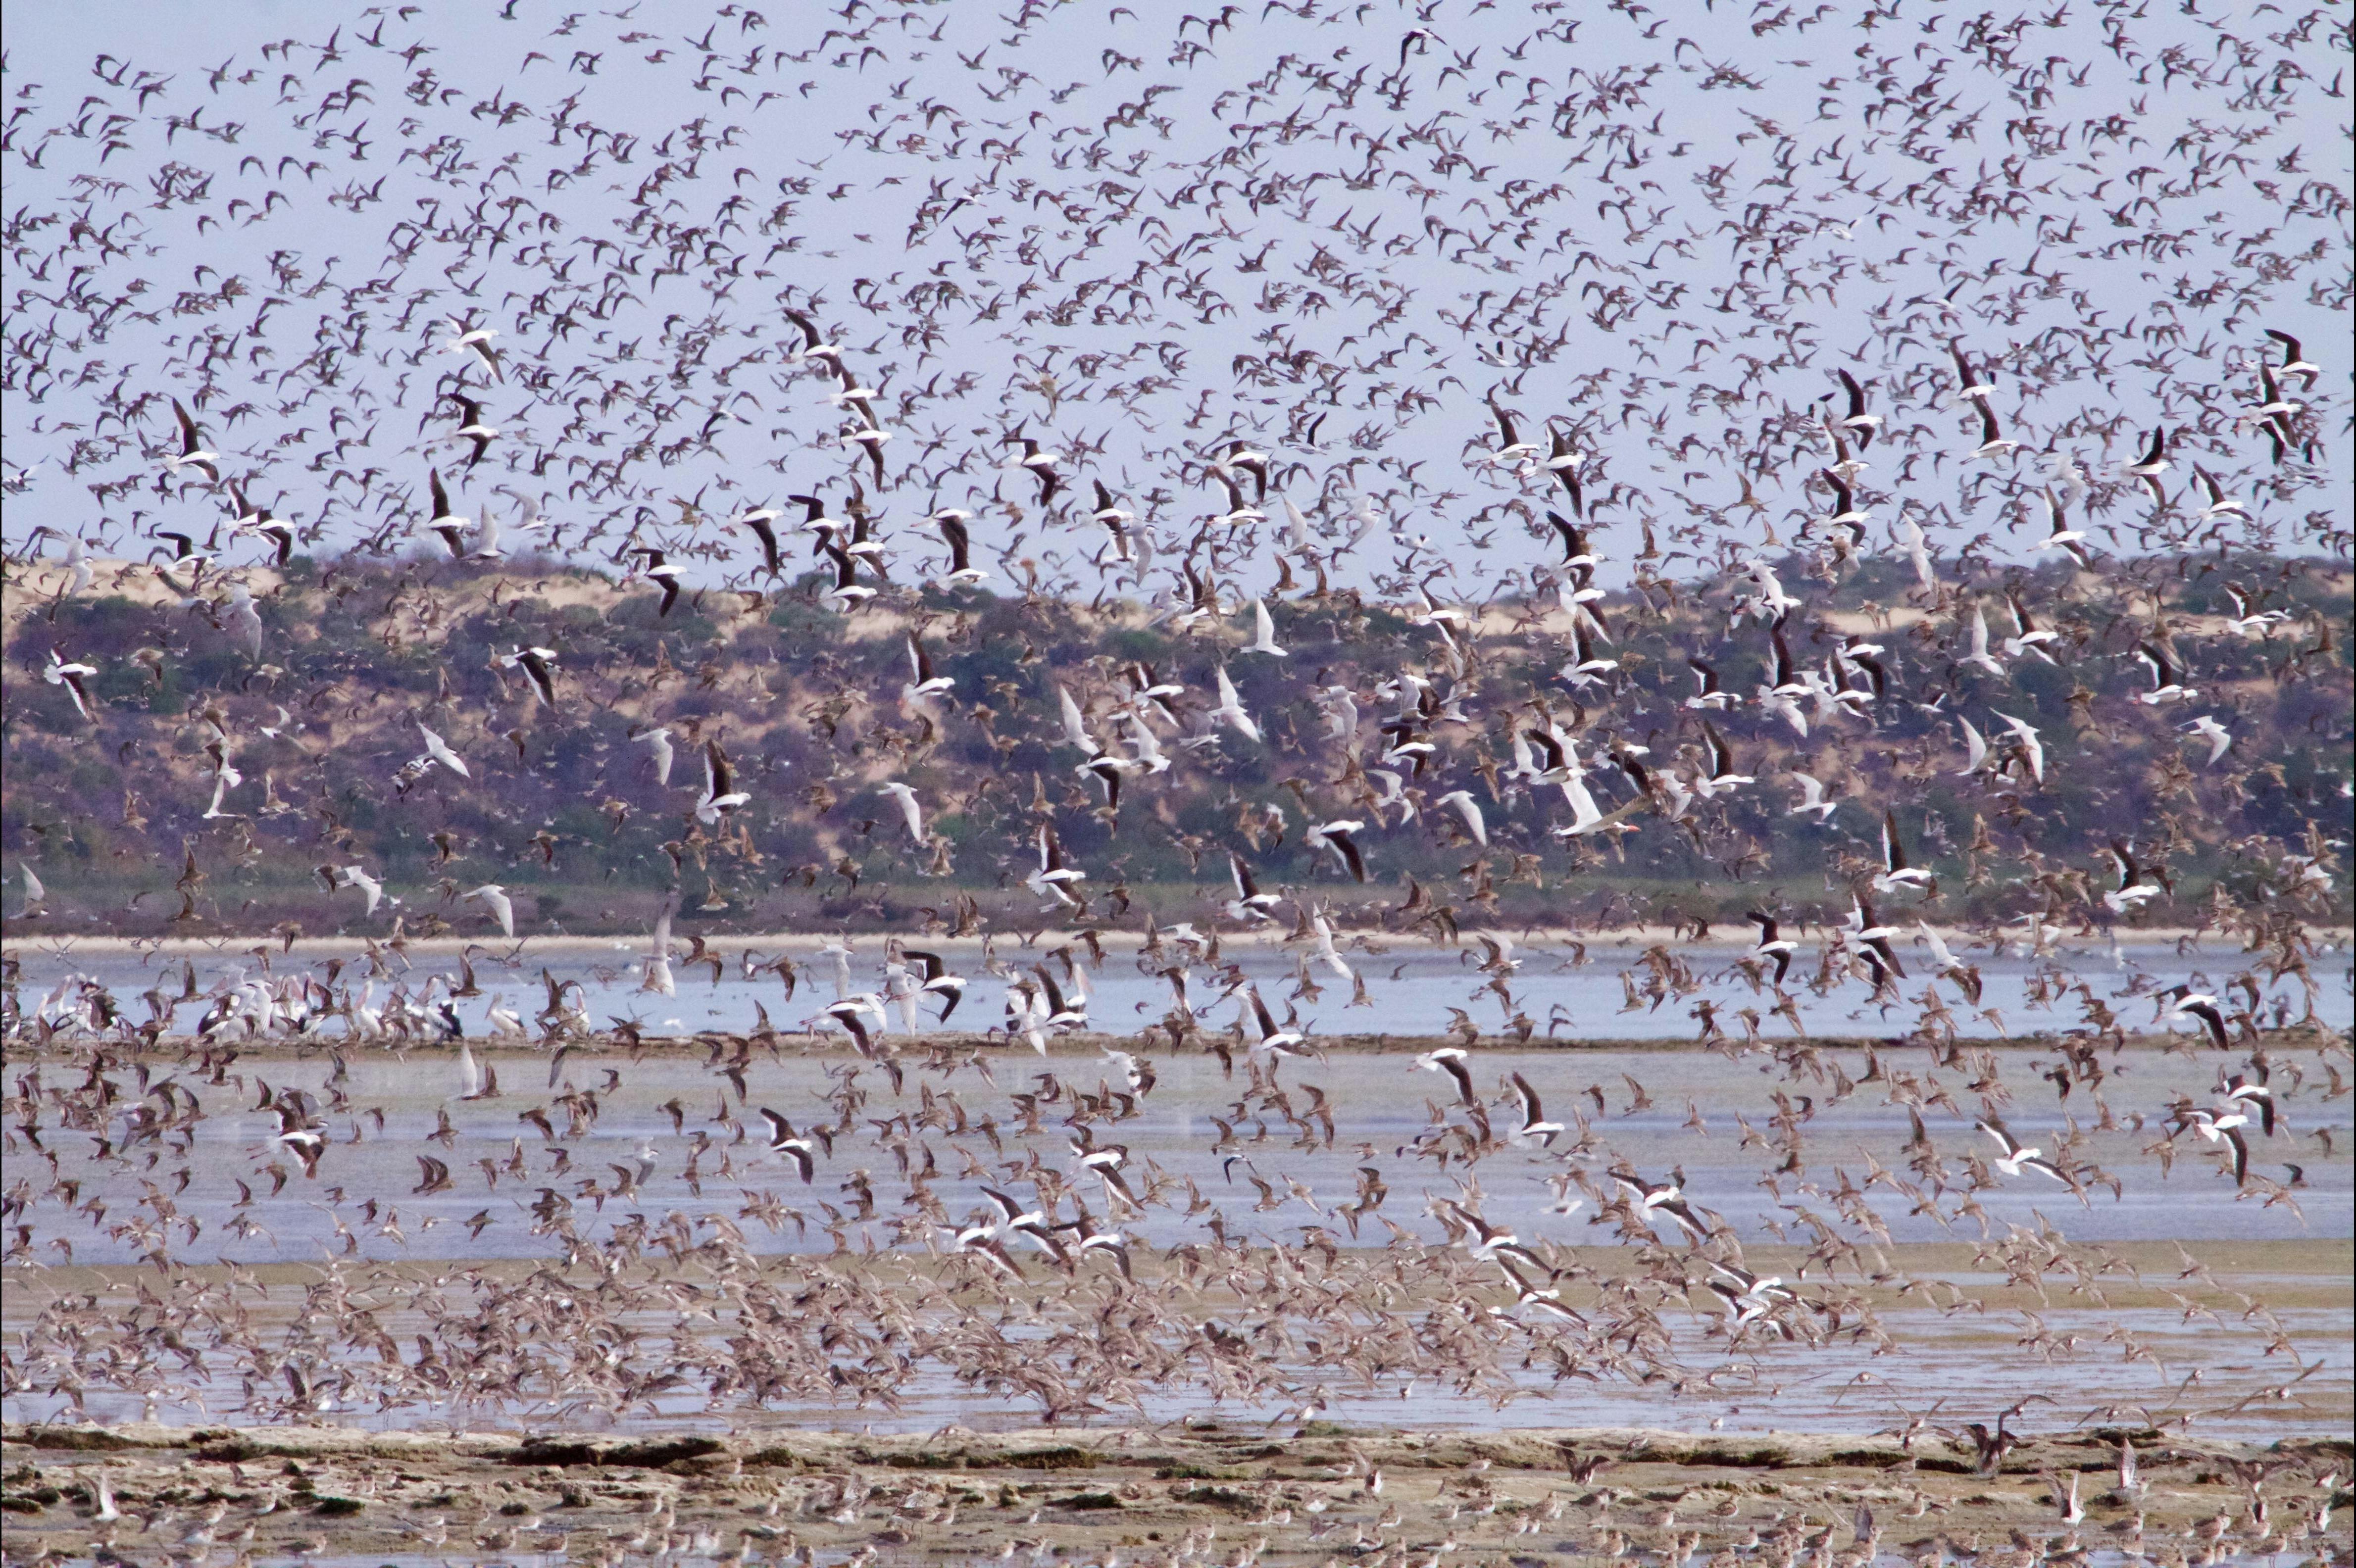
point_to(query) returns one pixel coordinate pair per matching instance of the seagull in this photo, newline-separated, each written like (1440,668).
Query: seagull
(1492,1244)
(1917,555)
(1263,633)
(1710,696)
(2017,1157)
(1273,1040)
(800,1147)
(1040,464)
(2184,1002)
(1994,443)
(1336,837)
(657,742)
(476,340)
(495,898)
(358,876)
(1748,1297)
(1230,711)
(1968,384)
(1511,448)
(1326,952)
(1895,872)
(2295,361)
(35,892)
(2133,888)
(1534,1123)
(2218,504)
(193,453)
(721,794)
(1075,724)
(538,665)
(2220,739)
(1772,944)
(660,571)
(814,344)
(1469,810)
(923,682)
(962,572)
(2032,750)
(72,676)
(1664,1197)
(1811,798)
(439,749)
(2167,677)
(2149,466)
(1454,1061)
(762,521)
(938,982)
(911,813)
(1979,655)
(2246,1093)
(1857,420)
(2029,636)
(1054,878)
(2221,1126)
(472,427)
(1563,462)
(1250,903)
(2061,536)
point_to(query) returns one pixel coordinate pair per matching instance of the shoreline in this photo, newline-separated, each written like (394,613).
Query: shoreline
(1307,1491)
(1143,1447)
(1112,940)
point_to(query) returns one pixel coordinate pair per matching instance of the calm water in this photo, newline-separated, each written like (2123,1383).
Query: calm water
(1379,1103)
(1707,1117)
(1413,989)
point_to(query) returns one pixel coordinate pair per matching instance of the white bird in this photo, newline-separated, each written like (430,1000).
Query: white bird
(439,749)
(478,340)
(922,681)
(1326,952)
(2059,535)
(1975,749)
(1918,554)
(502,909)
(72,677)
(721,794)
(1895,872)
(1979,653)
(1076,724)
(1811,798)
(358,876)
(911,813)
(1230,709)
(657,741)
(1469,810)
(2167,677)
(1336,837)
(193,453)
(2032,750)
(1263,632)
(2219,738)
(2019,1156)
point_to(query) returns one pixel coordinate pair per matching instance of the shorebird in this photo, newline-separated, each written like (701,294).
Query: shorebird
(2017,1157)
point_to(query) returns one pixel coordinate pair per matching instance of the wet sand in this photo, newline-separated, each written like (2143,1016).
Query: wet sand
(1147,1493)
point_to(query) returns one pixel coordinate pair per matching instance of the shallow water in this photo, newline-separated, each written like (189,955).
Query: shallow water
(1413,988)
(1379,1103)
(1177,1150)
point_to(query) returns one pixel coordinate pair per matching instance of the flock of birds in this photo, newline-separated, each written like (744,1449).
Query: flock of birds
(674,362)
